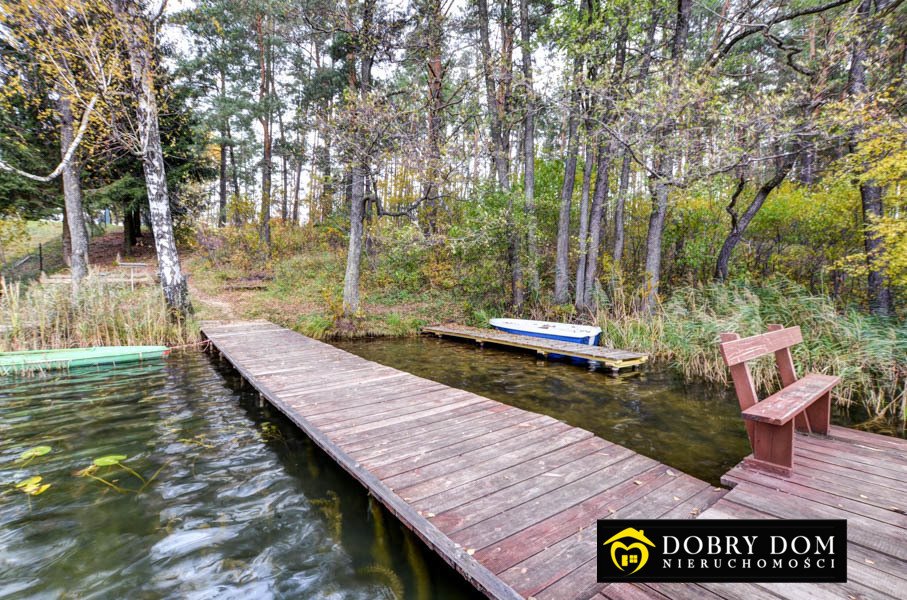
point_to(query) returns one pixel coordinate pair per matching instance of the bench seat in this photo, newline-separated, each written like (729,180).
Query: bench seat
(781,407)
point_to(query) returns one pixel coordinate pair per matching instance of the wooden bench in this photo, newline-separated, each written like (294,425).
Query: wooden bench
(804,404)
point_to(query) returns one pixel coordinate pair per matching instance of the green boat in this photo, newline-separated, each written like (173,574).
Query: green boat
(45,360)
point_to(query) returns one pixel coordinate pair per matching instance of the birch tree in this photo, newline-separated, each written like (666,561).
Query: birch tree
(137,31)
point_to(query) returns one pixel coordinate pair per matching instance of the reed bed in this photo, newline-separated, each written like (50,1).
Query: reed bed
(40,317)
(870,355)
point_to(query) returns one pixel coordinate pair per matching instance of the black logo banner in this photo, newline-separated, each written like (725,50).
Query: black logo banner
(713,550)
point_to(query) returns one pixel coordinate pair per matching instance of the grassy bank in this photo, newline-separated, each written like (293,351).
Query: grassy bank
(44,317)
(21,256)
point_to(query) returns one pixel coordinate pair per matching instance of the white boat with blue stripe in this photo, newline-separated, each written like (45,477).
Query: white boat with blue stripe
(564,332)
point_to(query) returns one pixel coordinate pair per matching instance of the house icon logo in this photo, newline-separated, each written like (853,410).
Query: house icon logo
(623,555)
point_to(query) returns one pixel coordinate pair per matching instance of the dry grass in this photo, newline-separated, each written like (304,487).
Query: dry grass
(45,317)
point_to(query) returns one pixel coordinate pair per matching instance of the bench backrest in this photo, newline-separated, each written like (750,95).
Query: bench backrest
(736,351)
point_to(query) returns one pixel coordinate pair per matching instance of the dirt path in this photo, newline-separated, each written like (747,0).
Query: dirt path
(208,307)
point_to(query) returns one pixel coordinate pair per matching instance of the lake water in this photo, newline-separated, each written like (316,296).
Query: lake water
(243,505)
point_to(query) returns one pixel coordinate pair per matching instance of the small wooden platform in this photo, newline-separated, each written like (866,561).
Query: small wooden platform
(508,497)
(613,359)
(849,474)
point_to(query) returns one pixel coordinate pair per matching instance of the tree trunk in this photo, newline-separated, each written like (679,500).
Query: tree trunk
(138,35)
(561,264)
(435,71)
(529,152)
(358,170)
(264,100)
(234,171)
(222,187)
(880,299)
(67,242)
(596,215)
(623,185)
(296,190)
(619,206)
(665,159)
(655,233)
(738,227)
(137,222)
(588,166)
(284,204)
(498,99)
(72,196)
(128,231)
(879,294)
(354,253)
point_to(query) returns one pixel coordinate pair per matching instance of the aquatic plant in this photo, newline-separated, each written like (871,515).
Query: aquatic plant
(382,544)
(116,460)
(33,453)
(33,486)
(391,579)
(270,432)
(330,508)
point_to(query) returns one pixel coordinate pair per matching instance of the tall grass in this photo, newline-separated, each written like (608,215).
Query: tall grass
(870,355)
(45,317)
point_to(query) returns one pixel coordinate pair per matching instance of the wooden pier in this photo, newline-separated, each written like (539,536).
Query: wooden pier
(611,358)
(510,498)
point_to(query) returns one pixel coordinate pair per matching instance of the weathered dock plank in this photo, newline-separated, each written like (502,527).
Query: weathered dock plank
(850,475)
(611,358)
(477,480)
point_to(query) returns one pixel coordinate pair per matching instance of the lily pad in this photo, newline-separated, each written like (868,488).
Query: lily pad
(109,460)
(38,490)
(30,482)
(32,486)
(35,452)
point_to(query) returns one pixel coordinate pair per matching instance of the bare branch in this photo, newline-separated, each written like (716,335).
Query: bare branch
(67,158)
